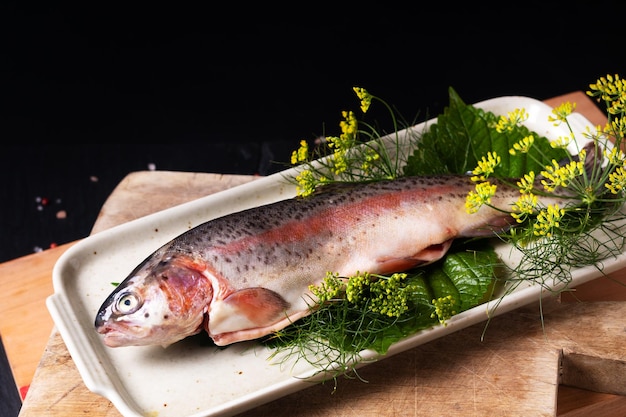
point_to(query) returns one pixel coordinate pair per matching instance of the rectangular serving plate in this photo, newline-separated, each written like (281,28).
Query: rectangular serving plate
(195,379)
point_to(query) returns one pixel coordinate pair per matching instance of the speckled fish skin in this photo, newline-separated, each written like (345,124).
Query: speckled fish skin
(247,274)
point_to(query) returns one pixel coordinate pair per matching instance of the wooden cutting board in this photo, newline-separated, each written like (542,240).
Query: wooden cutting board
(514,371)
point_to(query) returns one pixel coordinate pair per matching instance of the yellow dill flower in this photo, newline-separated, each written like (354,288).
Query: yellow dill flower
(610,89)
(482,195)
(365,97)
(388,296)
(330,288)
(618,106)
(524,207)
(301,154)
(339,162)
(615,156)
(526,184)
(557,175)
(333,142)
(512,119)
(617,180)
(486,166)
(561,112)
(547,220)
(349,125)
(617,127)
(523,146)
(306,183)
(347,138)
(357,287)
(369,161)
(562,142)
(339,143)
(444,308)
(619,124)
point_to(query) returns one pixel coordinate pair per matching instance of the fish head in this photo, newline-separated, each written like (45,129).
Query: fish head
(159,303)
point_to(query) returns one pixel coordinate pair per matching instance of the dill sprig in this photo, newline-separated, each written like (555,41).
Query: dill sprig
(359,153)
(588,227)
(370,312)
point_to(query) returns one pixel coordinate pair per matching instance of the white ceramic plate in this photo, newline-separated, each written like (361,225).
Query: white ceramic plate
(181,380)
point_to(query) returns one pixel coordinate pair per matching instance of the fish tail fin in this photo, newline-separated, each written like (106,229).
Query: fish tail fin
(593,160)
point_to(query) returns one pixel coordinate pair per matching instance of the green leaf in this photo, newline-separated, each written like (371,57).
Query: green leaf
(442,285)
(473,274)
(422,293)
(467,273)
(464,134)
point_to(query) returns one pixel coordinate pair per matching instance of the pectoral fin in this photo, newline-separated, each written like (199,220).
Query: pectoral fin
(245,310)
(425,256)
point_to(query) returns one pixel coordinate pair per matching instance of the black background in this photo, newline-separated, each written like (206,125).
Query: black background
(94,91)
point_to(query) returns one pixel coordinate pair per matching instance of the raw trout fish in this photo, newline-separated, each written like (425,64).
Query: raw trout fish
(247,274)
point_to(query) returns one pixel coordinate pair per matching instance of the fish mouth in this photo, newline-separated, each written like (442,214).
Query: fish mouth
(127,336)
(113,338)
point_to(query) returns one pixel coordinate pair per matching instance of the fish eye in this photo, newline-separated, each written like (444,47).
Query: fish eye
(127,303)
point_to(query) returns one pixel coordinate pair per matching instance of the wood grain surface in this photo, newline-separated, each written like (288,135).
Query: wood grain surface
(515,371)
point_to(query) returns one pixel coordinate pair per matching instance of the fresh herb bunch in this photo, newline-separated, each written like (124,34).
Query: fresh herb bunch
(555,239)
(359,153)
(372,312)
